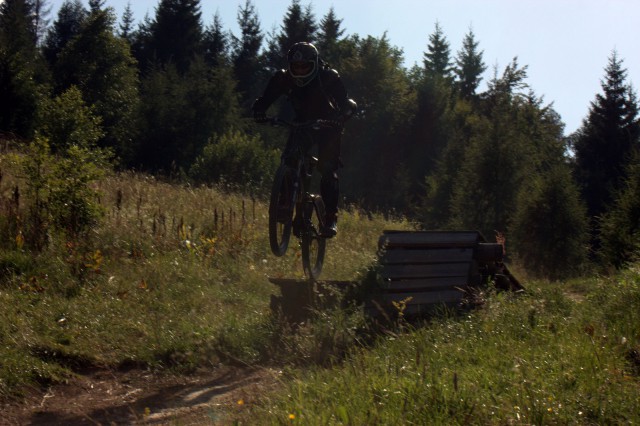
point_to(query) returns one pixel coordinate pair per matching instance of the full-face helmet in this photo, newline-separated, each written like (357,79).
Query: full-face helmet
(303,63)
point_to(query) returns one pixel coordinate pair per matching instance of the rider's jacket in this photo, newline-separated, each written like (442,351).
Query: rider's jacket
(325,97)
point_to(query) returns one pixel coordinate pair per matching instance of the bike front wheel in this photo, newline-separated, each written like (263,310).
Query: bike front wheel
(313,244)
(281,205)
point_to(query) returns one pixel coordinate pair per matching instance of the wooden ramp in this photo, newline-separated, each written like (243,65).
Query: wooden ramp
(416,272)
(419,271)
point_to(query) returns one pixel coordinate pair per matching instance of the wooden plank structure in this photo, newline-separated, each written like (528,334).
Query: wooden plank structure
(416,272)
(421,270)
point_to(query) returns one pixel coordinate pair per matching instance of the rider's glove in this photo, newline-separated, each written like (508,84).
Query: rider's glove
(260,117)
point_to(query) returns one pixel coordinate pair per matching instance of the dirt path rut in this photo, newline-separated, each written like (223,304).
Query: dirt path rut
(105,397)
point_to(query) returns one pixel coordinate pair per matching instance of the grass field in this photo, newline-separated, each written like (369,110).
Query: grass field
(176,278)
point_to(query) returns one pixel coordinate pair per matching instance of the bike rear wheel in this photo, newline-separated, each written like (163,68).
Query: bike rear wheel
(313,244)
(281,205)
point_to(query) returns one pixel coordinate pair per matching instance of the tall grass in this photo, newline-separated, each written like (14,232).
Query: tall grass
(541,358)
(172,277)
(176,277)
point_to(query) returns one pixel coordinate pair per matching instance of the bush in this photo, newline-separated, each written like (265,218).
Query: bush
(66,121)
(620,226)
(59,191)
(237,159)
(550,226)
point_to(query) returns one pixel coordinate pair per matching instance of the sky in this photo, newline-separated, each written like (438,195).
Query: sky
(566,44)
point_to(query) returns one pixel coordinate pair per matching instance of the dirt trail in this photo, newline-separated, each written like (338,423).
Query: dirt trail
(105,397)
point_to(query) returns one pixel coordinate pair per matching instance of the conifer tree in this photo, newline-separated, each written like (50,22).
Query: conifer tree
(180,118)
(330,35)
(434,101)
(247,63)
(96,5)
(67,25)
(100,64)
(619,227)
(469,66)
(437,58)
(175,34)
(22,70)
(549,229)
(497,158)
(126,24)
(216,43)
(374,160)
(607,138)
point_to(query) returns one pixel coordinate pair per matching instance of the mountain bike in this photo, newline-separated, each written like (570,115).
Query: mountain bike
(290,195)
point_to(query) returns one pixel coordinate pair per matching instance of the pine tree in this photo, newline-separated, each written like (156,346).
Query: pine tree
(498,156)
(437,61)
(607,138)
(100,64)
(96,5)
(375,170)
(216,43)
(67,25)
(550,226)
(181,113)
(141,45)
(620,226)
(429,132)
(247,63)
(469,66)
(175,35)
(126,25)
(330,35)
(22,70)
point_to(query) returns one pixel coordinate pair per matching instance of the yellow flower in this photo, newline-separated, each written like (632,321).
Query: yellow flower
(292,416)
(240,402)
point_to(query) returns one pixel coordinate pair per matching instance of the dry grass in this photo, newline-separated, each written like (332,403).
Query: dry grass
(173,276)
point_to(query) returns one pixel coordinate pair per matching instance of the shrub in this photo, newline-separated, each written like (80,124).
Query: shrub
(550,226)
(66,121)
(237,159)
(59,191)
(620,226)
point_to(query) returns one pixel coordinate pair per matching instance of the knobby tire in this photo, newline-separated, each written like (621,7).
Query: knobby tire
(282,193)
(313,244)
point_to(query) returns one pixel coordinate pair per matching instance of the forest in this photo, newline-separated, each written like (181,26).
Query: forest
(171,96)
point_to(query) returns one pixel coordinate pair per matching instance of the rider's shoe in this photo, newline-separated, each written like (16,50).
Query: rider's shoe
(330,228)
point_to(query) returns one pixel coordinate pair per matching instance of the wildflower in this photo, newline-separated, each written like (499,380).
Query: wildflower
(240,402)
(292,416)
(19,240)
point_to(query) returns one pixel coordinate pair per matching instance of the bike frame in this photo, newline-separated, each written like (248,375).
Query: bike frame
(297,165)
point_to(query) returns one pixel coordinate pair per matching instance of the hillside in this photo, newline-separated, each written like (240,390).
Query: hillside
(162,315)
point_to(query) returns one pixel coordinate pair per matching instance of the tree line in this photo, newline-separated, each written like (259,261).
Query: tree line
(171,95)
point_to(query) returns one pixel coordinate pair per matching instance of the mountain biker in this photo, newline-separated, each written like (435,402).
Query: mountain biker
(315,92)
